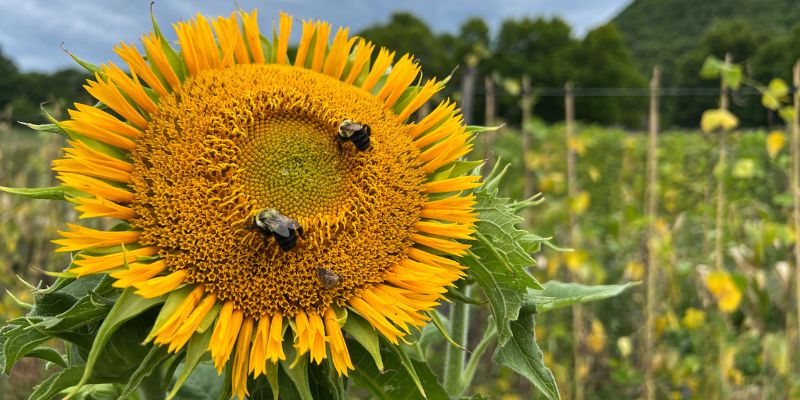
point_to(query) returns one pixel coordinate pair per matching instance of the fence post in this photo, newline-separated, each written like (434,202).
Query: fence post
(650,215)
(468,89)
(527,105)
(489,118)
(580,363)
(795,188)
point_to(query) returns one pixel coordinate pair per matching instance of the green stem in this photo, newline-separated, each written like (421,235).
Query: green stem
(475,358)
(454,357)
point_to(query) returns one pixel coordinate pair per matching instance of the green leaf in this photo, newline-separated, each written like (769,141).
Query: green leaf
(499,258)
(522,354)
(437,322)
(18,340)
(149,365)
(366,335)
(732,76)
(296,367)
(711,67)
(567,294)
(128,306)
(50,193)
(203,384)
(195,349)
(406,362)
(57,383)
(786,113)
(394,383)
(48,354)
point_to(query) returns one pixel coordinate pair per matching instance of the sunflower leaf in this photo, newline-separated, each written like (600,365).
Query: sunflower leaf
(204,383)
(499,258)
(56,383)
(127,306)
(366,335)
(49,193)
(195,350)
(48,354)
(149,365)
(17,340)
(567,294)
(522,354)
(394,383)
(406,362)
(296,368)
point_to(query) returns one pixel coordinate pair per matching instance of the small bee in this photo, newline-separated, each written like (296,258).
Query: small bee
(328,278)
(354,132)
(270,222)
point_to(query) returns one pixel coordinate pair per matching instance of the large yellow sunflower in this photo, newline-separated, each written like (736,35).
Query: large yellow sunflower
(194,142)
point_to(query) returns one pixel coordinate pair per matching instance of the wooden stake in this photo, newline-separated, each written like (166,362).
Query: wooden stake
(795,187)
(527,104)
(580,362)
(468,90)
(489,118)
(651,214)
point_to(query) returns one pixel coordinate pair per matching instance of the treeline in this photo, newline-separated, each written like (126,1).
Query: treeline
(23,93)
(544,50)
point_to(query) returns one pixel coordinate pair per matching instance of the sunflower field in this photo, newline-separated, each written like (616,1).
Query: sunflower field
(232,216)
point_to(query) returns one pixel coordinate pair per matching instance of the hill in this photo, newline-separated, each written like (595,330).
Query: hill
(662,31)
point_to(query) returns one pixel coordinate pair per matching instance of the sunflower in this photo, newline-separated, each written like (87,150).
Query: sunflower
(189,146)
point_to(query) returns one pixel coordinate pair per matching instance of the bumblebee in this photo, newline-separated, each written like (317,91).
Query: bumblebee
(328,278)
(354,132)
(270,222)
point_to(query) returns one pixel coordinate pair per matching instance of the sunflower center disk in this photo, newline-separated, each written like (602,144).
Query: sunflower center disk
(291,163)
(231,142)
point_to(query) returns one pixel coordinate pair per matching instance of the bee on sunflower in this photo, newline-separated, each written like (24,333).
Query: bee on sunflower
(250,232)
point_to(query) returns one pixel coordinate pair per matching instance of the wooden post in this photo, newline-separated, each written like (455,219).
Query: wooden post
(489,117)
(580,362)
(527,105)
(719,250)
(468,89)
(650,212)
(795,188)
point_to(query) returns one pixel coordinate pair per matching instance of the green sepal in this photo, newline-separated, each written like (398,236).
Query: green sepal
(173,301)
(127,306)
(406,362)
(49,193)
(195,350)
(149,365)
(47,128)
(437,322)
(481,129)
(455,169)
(270,51)
(272,377)
(455,294)
(174,60)
(366,335)
(209,319)
(297,370)
(91,68)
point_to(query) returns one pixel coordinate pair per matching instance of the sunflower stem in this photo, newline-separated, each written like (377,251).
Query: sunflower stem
(454,382)
(488,338)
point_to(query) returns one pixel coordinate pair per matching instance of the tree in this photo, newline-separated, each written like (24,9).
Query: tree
(602,60)
(405,33)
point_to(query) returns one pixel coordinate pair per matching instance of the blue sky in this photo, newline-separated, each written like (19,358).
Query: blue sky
(31,30)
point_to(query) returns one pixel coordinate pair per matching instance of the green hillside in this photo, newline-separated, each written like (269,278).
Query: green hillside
(662,31)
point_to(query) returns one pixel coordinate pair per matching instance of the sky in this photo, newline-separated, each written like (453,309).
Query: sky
(31,30)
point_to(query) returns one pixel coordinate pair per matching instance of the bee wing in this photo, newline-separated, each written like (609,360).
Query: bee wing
(280,227)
